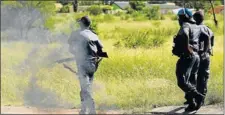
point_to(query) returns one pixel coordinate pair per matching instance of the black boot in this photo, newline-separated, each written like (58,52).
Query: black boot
(186,102)
(191,107)
(199,101)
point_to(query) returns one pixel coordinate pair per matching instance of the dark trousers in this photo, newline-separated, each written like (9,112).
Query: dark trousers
(186,72)
(203,74)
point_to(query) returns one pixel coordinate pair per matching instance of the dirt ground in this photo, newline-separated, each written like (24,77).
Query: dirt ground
(33,110)
(212,109)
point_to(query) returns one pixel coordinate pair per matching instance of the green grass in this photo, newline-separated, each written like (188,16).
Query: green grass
(130,79)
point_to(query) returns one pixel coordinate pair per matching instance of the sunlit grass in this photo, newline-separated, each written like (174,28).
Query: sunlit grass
(128,79)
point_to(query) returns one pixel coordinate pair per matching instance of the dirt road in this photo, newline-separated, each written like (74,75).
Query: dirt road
(211,109)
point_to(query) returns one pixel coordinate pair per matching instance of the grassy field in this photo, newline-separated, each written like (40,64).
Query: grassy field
(135,79)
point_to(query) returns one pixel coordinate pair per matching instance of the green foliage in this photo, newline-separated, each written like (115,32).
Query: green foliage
(142,38)
(94,10)
(94,26)
(65,9)
(129,10)
(138,16)
(106,8)
(144,68)
(120,13)
(153,13)
(109,18)
(125,17)
(162,17)
(199,4)
(46,7)
(137,5)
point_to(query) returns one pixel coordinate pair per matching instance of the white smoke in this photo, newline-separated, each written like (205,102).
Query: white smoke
(27,25)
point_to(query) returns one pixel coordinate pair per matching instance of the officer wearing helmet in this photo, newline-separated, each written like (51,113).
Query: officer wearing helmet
(85,45)
(186,48)
(206,42)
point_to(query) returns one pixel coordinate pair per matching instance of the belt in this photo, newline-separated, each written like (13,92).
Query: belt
(187,56)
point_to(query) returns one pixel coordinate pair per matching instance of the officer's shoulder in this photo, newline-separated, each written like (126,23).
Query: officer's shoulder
(186,25)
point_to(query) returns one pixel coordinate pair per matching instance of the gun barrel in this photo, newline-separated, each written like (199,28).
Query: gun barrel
(65,60)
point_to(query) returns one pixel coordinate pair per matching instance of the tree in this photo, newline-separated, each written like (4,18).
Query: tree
(75,5)
(25,15)
(196,4)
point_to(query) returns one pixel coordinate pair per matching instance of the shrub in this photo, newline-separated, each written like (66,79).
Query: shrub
(129,10)
(94,10)
(65,9)
(138,16)
(137,5)
(153,13)
(106,8)
(119,13)
(142,38)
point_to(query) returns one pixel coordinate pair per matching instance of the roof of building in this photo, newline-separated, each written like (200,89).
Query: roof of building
(124,4)
(164,6)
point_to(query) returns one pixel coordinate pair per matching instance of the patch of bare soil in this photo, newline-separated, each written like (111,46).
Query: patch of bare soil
(172,110)
(33,110)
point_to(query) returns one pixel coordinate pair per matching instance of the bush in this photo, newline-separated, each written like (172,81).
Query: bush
(65,9)
(153,13)
(129,10)
(137,5)
(142,38)
(106,8)
(119,13)
(94,10)
(138,16)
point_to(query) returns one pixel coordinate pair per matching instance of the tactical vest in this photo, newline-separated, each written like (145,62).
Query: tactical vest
(180,45)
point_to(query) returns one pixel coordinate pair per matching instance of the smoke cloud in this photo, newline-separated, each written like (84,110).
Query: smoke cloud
(27,25)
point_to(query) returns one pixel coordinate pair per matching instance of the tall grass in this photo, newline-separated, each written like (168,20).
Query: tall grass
(134,79)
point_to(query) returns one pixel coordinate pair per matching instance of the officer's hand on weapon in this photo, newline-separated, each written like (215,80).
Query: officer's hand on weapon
(190,49)
(211,52)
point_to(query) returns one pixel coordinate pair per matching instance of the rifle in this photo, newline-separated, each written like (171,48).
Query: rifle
(65,60)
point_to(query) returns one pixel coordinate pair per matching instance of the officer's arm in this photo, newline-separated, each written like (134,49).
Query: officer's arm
(99,48)
(211,42)
(206,36)
(186,34)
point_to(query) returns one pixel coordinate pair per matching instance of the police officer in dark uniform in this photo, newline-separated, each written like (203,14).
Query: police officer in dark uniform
(85,45)
(206,42)
(186,48)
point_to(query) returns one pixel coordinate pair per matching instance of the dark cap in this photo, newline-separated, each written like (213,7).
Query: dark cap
(85,20)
